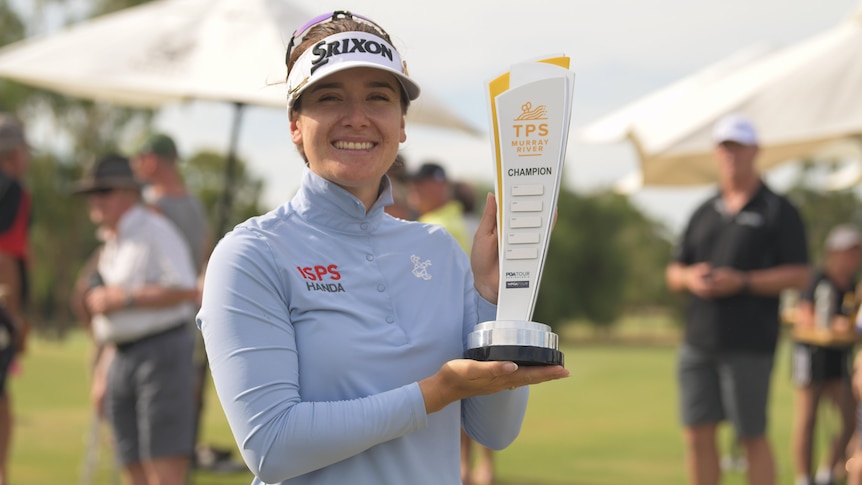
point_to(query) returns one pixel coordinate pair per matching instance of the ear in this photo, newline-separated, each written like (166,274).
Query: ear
(403,129)
(295,130)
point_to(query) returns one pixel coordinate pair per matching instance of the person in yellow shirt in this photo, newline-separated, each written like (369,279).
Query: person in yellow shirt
(431,195)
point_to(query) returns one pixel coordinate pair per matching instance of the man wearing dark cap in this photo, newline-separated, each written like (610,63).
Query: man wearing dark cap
(432,197)
(157,165)
(15,203)
(742,247)
(141,315)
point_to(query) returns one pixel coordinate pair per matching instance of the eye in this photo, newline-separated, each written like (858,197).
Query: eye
(379,97)
(325,97)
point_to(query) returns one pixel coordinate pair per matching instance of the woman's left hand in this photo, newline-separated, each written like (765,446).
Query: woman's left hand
(484,257)
(464,378)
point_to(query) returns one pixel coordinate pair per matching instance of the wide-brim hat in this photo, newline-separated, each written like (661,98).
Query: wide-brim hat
(108,173)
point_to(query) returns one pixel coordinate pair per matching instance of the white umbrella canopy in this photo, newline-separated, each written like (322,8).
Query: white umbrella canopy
(168,51)
(804,99)
(174,50)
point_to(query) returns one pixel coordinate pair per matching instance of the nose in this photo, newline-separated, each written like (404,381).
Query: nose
(355,114)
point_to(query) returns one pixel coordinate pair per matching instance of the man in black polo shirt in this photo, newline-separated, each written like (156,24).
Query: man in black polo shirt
(741,248)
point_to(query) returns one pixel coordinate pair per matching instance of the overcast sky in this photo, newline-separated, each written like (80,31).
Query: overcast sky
(620,50)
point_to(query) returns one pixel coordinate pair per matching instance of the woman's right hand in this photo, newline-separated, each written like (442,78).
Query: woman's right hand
(463,378)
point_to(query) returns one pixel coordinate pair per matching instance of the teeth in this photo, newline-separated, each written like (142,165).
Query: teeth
(350,145)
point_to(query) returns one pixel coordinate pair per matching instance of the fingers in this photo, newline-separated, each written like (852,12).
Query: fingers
(488,222)
(490,377)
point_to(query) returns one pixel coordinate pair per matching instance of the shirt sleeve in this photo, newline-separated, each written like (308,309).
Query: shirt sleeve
(494,420)
(792,242)
(253,355)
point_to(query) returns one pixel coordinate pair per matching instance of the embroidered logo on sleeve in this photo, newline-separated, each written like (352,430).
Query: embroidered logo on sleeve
(420,268)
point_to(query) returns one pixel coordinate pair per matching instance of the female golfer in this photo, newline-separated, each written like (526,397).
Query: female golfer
(334,331)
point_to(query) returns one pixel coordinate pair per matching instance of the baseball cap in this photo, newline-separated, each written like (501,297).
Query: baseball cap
(109,172)
(735,127)
(346,50)
(161,145)
(11,132)
(430,171)
(844,236)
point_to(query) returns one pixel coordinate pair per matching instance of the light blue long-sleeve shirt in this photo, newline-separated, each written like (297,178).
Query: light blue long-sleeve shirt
(319,320)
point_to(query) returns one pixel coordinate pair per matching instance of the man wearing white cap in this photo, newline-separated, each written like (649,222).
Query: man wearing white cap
(742,247)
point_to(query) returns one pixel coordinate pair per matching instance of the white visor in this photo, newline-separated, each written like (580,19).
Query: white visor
(346,50)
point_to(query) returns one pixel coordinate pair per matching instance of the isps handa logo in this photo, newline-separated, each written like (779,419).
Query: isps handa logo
(321,277)
(531,130)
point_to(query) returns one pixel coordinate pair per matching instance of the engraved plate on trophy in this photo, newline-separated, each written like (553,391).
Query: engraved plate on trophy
(530,108)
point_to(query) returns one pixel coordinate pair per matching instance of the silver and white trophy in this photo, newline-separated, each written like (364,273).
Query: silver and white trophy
(530,109)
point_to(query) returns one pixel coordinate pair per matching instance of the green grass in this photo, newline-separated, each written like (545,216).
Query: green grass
(613,422)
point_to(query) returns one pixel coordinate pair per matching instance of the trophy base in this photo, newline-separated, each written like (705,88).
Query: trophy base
(518,354)
(522,342)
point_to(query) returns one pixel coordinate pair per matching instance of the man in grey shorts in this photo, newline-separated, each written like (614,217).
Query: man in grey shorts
(741,248)
(141,307)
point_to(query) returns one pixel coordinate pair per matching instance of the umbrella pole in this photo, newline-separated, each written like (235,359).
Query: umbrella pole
(226,200)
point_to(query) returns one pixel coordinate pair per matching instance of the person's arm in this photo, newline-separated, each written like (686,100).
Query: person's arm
(10,285)
(772,281)
(10,298)
(254,360)
(804,315)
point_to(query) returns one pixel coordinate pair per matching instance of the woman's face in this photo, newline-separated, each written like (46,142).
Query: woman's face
(350,127)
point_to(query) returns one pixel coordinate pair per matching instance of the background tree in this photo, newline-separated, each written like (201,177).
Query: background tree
(821,210)
(204,175)
(79,131)
(604,257)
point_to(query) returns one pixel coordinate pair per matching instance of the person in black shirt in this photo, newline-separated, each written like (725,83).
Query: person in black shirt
(741,249)
(824,370)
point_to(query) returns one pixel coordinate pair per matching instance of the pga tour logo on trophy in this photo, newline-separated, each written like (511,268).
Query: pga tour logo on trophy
(530,108)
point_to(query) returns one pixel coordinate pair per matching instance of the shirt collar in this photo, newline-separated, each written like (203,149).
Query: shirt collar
(321,201)
(130,220)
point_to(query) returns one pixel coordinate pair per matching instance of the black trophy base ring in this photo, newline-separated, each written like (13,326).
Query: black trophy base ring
(519,354)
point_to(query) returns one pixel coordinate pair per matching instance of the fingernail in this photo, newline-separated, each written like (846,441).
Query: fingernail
(510,367)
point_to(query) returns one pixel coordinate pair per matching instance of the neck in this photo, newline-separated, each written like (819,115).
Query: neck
(168,185)
(737,194)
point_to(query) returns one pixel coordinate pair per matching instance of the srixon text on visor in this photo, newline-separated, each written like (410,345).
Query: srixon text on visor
(324,50)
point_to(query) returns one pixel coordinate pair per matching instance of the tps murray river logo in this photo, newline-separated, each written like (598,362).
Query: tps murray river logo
(531,136)
(531,130)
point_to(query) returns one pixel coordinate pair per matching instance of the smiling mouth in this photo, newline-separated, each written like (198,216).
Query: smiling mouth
(354,145)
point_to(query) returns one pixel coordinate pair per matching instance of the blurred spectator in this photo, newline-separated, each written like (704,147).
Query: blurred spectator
(157,165)
(141,308)
(829,303)
(432,198)
(15,217)
(742,247)
(399,178)
(465,193)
